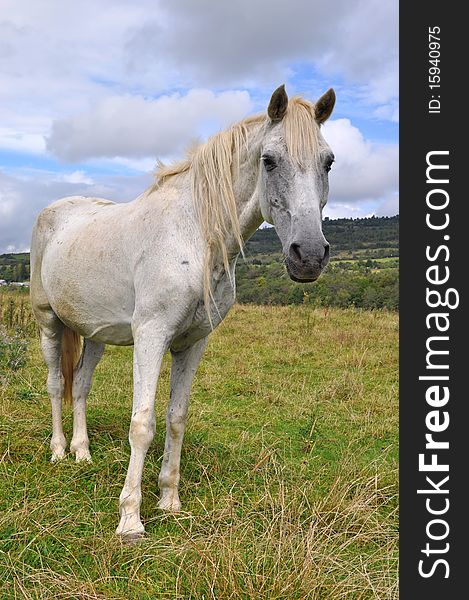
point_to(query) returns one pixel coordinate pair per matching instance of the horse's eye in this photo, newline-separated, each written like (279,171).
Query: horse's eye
(269,163)
(328,165)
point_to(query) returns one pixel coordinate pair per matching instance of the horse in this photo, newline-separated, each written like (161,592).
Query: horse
(158,272)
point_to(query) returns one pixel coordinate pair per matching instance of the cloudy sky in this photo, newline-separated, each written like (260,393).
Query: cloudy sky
(92,93)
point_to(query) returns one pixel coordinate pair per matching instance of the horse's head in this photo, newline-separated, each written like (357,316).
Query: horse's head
(295,161)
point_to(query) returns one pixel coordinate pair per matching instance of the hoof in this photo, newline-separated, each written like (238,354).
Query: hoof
(131,538)
(129,532)
(57,455)
(170,502)
(83,455)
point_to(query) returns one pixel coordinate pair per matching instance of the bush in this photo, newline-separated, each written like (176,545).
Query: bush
(13,350)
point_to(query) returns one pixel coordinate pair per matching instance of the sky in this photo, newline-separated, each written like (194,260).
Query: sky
(93,93)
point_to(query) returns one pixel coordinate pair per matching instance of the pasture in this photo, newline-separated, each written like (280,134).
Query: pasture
(288,475)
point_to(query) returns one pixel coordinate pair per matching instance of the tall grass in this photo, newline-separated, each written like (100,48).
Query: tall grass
(16,326)
(15,311)
(288,480)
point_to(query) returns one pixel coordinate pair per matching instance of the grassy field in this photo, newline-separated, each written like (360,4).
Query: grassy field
(288,479)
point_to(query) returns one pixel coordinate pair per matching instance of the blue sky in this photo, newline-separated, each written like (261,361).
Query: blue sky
(91,94)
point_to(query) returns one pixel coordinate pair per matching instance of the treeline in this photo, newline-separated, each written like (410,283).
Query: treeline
(371,232)
(14,267)
(343,235)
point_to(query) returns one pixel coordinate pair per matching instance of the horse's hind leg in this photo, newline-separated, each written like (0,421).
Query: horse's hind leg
(83,374)
(183,369)
(51,342)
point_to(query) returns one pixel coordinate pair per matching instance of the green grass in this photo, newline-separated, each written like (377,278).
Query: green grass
(288,479)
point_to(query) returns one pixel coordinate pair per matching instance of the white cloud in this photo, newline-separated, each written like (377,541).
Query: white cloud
(388,205)
(58,58)
(144,165)
(130,82)
(255,43)
(363,171)
(75,177)
(131,126)
(18,141)
(23,197)
(364,46)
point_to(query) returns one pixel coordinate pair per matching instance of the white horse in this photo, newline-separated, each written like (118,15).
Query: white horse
(159,272)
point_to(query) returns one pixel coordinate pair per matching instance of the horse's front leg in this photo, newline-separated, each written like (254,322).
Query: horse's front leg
(150,345)
(183,369)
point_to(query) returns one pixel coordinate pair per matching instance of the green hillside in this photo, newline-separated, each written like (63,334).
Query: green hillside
(363,272)
(14,267)
(375,237)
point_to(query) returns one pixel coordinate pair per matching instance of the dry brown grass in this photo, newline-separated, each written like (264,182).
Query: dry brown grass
(15,310)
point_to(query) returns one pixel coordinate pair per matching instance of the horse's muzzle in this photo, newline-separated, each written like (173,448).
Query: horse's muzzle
(305,266)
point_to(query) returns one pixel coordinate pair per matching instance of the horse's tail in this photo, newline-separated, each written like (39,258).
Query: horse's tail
(71,351)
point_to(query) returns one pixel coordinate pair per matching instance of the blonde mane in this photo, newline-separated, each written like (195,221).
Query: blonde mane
(212,166)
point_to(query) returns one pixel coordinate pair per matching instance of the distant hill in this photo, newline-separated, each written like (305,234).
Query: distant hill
(348,238)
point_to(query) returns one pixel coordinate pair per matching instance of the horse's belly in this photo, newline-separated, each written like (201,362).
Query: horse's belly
(101,322)
(118,334)
(100,311)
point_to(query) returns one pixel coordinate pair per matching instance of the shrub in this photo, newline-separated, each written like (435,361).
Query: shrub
(13,350)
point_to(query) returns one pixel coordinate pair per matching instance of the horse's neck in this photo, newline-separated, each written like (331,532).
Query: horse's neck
(245,189)
(250,217)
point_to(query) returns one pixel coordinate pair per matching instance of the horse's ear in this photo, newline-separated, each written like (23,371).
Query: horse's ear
(278,104)
(324,106)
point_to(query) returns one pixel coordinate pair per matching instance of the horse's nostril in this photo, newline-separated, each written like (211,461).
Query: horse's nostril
(326,253)
(295,251)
